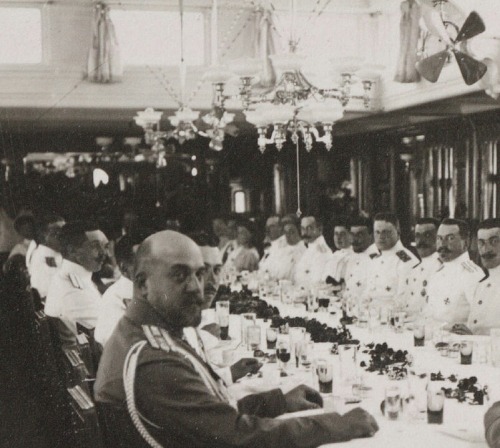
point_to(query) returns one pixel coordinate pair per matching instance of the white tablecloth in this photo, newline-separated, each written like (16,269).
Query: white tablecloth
(463,423)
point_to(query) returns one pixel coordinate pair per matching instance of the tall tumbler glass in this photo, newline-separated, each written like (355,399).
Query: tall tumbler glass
(222,315)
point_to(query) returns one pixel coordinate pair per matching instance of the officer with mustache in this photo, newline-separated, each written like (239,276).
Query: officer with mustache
(485,308)
(451,289)
(72,295)
(417,282)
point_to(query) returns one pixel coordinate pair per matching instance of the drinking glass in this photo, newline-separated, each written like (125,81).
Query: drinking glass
(271,336)
(435,402)
(466,352)
(297,335)
(399,321)
(286,291)
(324,370)
(495,346)
(312,300)
(348,363)
(392,401)
(222,315)
(247,319)
(283,354)
(253,337)
(418,334)
(306,354)
(373,317)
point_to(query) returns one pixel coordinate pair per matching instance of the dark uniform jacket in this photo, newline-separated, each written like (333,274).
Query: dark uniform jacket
(177,408)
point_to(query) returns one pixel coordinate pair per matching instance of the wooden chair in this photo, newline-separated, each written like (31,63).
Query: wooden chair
(85,422)
(76,373)
(95,347)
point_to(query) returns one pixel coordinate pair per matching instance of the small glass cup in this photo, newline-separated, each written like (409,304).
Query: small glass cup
(286,291)
(271,337)
(435,403)
(222,315)
(392,401)
(283,354)
(348,362)
(495,346)
(399,321)
(466,352)
(247,319)
(253,337)
(373,317)
(418,334)
(324,370)
(306,354)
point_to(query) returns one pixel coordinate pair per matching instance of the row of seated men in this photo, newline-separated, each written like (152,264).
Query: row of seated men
(73,297)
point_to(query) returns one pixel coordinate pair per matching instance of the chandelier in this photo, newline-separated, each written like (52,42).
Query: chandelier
(294,106)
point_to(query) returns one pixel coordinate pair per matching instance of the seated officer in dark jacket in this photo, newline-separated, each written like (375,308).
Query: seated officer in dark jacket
(157,391)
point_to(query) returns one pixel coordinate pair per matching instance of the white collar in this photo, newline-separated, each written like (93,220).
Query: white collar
(396,248)
(460,259)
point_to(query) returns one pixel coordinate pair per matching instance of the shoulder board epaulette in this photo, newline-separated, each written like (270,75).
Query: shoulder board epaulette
(51,261)
(155,338)
(75,281)
(403,256)
(374,255)
(469,266)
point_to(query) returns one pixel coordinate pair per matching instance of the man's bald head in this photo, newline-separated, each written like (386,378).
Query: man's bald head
(162,245)
(168,274)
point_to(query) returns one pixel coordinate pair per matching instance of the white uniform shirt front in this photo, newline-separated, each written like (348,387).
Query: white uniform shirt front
(451,290)
(270,253)
(415,295)
(45,262)
(29,254)
(280,264)
(388,272)
(335,267)
(311,265)
(112,307)
(356,270)
(72,296)
(485,307)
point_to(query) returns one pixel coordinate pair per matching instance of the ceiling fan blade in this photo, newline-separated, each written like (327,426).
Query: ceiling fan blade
(430,68)
(472,70)
(472,26)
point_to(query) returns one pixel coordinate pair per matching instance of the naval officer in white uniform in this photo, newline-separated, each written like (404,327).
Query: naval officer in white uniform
(310,267)
(415,298)
(451,288)
(485,307)
(390,268)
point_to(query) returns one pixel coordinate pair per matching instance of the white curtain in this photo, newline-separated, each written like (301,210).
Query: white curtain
(409,36)
(104,61)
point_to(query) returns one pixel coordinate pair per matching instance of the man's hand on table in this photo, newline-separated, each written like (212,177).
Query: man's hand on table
(460,329)
(361,423)
(243,367)
(302,398)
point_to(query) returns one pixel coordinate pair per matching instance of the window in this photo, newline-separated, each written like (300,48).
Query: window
(240,202)
(154,37)
(20,36)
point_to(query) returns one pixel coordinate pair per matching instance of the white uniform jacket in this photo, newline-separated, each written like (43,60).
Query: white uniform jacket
(415,296)
(280,264)
(73,296)
(388,272)
(45,262)
(112,307)
(357,266)
(451,290)
(311,265)
(485,307)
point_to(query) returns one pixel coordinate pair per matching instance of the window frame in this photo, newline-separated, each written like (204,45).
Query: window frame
(204,11)
(44,36)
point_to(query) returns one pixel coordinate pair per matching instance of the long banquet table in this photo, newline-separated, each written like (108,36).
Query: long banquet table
(463,423)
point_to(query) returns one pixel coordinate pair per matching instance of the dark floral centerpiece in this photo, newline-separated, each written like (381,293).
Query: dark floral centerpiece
(467,389)
(386,360)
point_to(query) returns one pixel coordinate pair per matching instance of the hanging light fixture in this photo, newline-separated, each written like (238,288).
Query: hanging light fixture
(294,106)
(182,120)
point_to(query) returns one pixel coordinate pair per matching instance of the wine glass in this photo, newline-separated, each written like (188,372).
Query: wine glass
(283,354)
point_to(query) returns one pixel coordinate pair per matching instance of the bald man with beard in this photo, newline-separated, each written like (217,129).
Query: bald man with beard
(160,392)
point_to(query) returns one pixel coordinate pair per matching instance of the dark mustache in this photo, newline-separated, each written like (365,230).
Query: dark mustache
(444,250)
(195,299)
(489,255)
(423,246)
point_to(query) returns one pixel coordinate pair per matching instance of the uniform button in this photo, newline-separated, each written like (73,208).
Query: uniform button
(412,293)
(480,302)
(488,285)
(475,321)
